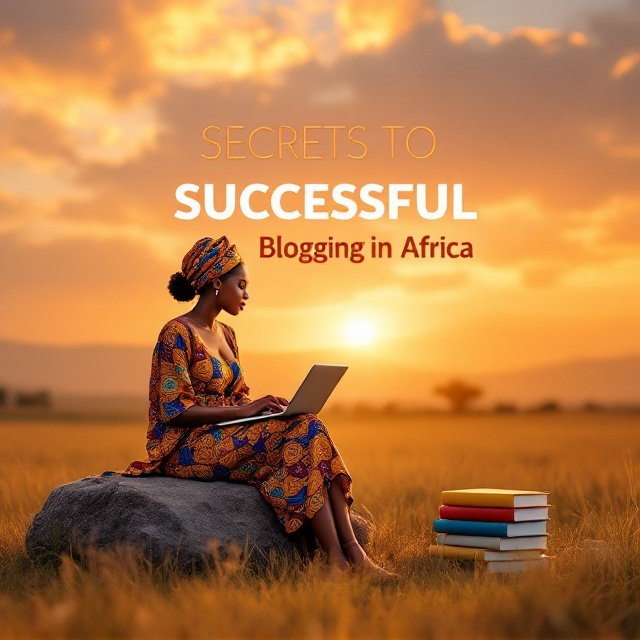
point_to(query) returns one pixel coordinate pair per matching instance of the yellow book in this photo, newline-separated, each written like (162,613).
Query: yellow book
(472,553)
(494,498)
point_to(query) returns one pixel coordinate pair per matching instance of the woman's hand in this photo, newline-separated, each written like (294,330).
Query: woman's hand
(264,405)
(198,415)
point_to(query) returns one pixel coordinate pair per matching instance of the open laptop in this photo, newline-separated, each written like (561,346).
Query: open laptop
(310,396)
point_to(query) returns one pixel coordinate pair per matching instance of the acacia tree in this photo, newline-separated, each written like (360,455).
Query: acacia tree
(459,394)
(35,399)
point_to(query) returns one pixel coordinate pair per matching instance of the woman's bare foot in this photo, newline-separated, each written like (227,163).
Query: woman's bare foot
(337,560)
(360,561)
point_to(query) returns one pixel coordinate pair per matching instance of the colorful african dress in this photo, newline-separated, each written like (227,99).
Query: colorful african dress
(289,461)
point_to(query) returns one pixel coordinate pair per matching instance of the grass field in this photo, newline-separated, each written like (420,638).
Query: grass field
(399,465)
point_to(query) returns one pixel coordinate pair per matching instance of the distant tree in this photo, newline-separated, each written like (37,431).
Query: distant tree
(549,406)
(592,406)
(362,406)
(391,407)
(3,396)
(35,399)
(459,394)
(337,407)
(504,407)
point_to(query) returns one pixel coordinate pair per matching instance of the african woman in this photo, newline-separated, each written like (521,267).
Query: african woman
(197,382)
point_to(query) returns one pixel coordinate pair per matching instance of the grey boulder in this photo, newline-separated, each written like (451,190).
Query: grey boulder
(188,521)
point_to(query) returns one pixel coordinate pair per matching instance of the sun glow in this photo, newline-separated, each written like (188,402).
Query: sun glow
(359,332)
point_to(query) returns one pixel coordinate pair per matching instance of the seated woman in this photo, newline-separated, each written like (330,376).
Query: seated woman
(196,382)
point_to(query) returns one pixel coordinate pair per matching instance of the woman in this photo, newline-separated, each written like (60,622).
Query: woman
(196,382)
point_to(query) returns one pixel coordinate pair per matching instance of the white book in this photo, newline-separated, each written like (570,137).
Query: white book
(517,565)
(490,542)
(507,556)
(531,513)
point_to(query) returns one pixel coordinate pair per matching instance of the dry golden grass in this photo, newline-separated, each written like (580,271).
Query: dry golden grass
(400,465)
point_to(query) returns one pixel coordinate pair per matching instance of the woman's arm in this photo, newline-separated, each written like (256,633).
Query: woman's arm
(198,415)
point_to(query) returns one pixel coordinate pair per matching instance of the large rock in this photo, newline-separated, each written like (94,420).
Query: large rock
(185,520)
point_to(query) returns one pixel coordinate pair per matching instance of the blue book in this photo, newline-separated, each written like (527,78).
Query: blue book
(496,529)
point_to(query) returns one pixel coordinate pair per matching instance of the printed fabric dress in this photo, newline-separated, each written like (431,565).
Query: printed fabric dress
(289,461)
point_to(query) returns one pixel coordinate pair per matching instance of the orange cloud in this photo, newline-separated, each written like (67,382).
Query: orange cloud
(518,236)
(544,38)
(213,41)
(623,146)
(578,39)
(98,127)
(45,187)
(203,42)
(367,25)
(626,64)
(458,32)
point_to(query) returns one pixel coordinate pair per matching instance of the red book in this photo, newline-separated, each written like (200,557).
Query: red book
(494,514)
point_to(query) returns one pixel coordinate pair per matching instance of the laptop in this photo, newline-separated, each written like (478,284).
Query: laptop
(310,396)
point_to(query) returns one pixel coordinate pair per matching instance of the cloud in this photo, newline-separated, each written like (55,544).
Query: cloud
(458,32)
(84,78)
(96,126)
(372,25)
(335,95)
(543,251)
(212,41)
(626,64)
(549,40)
(618,226)
(48,187)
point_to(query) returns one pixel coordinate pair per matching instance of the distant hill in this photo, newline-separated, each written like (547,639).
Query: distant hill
(124,371)
(604,380)
(85,370)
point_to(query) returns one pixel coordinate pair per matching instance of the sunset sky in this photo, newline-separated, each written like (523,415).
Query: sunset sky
(534,107)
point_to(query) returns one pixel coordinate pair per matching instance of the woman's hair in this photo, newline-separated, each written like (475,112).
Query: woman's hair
(180,288)
(183,291)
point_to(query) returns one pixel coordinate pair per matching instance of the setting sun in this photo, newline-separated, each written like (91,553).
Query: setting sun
(359,332)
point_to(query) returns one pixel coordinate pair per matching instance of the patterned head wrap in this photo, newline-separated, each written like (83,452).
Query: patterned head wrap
(209,259)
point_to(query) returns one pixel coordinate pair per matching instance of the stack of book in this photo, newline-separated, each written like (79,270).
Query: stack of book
(502,530)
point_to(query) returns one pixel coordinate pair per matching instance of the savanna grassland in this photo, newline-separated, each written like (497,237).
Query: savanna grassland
(590,462)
